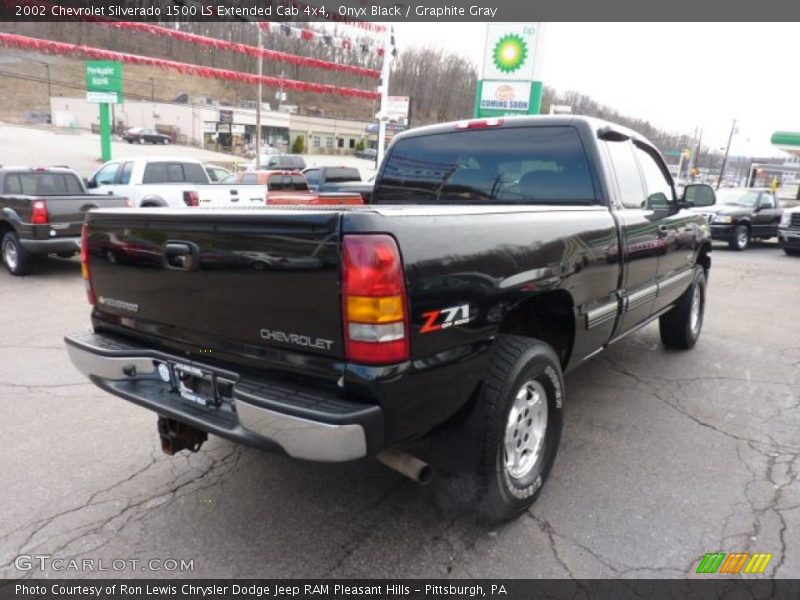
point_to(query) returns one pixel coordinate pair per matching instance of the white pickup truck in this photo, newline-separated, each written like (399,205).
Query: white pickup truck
(170,182)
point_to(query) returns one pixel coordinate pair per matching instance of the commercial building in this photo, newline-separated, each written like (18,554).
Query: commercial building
(221,128)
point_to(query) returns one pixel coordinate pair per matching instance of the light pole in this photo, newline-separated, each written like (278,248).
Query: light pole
(385,71)
(258,101)
(727,150)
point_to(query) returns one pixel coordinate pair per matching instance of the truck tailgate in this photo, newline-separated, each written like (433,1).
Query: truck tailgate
(221,279)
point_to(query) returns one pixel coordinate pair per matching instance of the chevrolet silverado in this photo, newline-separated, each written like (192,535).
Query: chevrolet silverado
(430,329)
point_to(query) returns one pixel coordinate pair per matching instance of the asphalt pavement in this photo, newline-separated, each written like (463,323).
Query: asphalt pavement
(665,456)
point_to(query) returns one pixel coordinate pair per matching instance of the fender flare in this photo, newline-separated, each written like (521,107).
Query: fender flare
(9,215)
(157,200)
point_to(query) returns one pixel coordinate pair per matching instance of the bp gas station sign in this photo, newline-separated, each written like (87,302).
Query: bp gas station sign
(508,85)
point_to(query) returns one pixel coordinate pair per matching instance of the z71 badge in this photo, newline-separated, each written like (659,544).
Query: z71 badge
(446,317)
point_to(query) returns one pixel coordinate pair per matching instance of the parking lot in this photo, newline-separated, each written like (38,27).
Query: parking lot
(665,456)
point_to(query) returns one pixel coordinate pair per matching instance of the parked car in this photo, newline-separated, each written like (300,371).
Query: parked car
(368,153)
(169,181)
(323,179)
(285,162)
(744,214)
(216,174)
(41,212)
(290,187)
(141,135)
(430,329)
(789,231)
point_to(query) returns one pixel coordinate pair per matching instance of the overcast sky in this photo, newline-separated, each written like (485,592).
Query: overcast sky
(677,75)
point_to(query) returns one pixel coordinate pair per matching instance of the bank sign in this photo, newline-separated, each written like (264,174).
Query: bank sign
(104,81)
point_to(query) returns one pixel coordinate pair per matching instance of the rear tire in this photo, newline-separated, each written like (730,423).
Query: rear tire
(680,327)
(522,403)
(740,239)
(17,260)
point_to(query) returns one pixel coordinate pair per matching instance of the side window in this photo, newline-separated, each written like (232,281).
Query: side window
(12,185)
(659,190)
(107,175)
(299,183)
(125,173)
(175,173)
(312,176)
(155,172)
(249,178)
(626,172)
(194,173)
(72,185)
(767,200)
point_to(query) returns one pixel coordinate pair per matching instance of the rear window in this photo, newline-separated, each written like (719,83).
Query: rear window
(341,174)
(525,165)
(42,184)
(174,172)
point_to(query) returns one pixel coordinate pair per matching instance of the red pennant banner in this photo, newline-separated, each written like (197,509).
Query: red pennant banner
(21,42)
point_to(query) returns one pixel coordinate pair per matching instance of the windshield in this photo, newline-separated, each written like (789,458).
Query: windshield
(737,198)
(521,165)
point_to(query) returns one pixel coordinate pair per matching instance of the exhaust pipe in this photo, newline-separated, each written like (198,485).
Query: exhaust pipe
(405,464)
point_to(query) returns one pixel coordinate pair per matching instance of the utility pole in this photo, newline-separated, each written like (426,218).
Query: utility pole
(280,90)
(258,101)
(727,150)
(385,71)
(49,92)
(152,89)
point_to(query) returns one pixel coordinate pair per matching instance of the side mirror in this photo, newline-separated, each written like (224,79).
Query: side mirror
(698,194)
(90,183)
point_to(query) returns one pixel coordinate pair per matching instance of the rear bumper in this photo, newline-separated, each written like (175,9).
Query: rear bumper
(305,423)
(60,245)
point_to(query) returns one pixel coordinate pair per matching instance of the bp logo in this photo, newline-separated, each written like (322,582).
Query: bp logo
(510,53)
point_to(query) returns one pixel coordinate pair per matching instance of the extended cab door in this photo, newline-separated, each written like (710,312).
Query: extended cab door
(677,228)
(640,238)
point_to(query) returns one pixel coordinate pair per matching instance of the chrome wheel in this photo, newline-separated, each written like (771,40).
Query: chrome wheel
(10,255)
(525,430)
(741,238)
(694,313)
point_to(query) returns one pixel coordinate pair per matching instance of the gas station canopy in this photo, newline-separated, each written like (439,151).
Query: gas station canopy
(787,141)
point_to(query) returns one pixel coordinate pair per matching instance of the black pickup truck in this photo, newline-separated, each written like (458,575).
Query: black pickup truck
(430,329)
(41,212)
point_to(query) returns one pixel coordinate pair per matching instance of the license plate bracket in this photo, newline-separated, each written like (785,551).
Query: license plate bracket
(196,385)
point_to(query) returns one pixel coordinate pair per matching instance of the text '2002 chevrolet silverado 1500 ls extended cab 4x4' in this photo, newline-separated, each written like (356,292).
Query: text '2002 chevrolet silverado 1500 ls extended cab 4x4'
(429,328)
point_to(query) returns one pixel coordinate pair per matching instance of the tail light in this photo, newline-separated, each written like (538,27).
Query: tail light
(86,269)
(40,216)
(191,198)
(374,300)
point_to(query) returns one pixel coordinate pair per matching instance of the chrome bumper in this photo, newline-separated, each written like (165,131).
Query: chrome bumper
(254,417)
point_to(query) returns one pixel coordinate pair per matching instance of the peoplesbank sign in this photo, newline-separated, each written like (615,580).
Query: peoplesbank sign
(507,85)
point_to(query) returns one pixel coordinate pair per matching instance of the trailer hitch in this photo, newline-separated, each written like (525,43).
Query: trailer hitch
(177,436)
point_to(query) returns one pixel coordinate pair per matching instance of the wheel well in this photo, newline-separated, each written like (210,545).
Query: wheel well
(704,257)
(549,317)
(5,227)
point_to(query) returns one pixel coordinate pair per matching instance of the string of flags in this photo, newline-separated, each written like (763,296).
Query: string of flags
(363,44)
